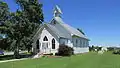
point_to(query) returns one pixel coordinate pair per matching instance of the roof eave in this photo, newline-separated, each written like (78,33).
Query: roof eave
(80,37)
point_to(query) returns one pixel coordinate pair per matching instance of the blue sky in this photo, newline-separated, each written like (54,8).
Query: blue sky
(99,19)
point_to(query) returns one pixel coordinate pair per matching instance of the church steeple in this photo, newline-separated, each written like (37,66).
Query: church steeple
(57,11)
(57,16)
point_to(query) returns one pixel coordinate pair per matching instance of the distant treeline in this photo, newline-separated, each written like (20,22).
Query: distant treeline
(92,48)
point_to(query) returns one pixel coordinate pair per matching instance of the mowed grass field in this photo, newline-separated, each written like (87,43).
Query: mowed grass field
(88,60)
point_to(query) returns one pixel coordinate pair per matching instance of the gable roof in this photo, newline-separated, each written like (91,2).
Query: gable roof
(68,30)
(59,31)
(58,27)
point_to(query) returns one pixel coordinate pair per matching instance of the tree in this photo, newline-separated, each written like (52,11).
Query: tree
(32,10)
(4,16)
(17,31)
(20,32)
(21,25)
(28,43)
(24,24)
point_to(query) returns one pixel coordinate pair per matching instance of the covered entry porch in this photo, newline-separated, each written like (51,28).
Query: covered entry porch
(45,46)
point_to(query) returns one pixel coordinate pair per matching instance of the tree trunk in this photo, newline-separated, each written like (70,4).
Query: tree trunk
(16,51)
(28,49)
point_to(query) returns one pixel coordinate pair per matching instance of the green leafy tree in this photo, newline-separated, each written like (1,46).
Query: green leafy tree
(4,16)
(24,24)
(32,10)
(20,32)
(21,25)
(17,31)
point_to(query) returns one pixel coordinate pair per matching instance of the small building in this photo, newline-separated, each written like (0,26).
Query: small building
(56,32)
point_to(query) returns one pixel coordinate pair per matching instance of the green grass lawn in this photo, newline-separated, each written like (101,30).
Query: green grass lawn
(89,60)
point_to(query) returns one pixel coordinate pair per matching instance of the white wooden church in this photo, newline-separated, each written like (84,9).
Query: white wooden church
(51,35)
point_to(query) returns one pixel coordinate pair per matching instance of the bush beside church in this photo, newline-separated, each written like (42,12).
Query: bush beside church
(65,50)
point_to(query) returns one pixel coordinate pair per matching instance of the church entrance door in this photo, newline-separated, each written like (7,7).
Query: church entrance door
(45,48)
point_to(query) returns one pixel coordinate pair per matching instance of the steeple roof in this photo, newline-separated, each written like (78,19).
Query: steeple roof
(57,11)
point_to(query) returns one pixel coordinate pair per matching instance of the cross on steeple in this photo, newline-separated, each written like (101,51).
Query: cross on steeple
(57,11)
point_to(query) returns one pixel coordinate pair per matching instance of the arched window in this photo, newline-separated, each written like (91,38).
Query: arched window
(45,39)
(37,43)
(53,43)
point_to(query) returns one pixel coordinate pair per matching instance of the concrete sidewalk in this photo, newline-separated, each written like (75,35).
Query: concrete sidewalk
(13,60)
(11,53)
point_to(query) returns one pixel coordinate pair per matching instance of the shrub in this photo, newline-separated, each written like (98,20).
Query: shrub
(116,52)
(90,48)
(65,50)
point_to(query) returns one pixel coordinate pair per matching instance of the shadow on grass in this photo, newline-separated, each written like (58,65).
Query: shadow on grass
(9,57)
